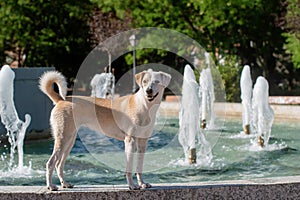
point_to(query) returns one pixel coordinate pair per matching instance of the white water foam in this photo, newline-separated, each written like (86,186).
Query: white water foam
(21,172)
(241,135)
(254,147)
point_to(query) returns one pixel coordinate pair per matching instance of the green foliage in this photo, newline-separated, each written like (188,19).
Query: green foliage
(55,33)
(227,25)
(293,35)
(52,33)
(239,29)
(293,47)
(230,71)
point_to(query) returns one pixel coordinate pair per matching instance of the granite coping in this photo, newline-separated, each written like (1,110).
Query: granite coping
(228,110)
(286,100)
(266,188)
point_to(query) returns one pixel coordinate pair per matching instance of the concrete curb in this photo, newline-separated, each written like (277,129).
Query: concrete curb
(282,112)
(270,188)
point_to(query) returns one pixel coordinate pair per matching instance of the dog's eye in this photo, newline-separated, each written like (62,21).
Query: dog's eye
(144,81)
(157,82)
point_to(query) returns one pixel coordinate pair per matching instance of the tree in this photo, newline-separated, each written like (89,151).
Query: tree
(233,27)
(61,33)
(103,26)
(291,22)
(51,33)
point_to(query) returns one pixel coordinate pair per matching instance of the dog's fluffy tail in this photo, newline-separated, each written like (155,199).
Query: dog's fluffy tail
(46,85)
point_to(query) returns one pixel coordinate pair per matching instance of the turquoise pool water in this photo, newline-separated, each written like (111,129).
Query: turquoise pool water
(99,160)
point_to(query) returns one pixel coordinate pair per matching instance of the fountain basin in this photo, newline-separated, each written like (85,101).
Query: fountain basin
(251,172)
(96,160)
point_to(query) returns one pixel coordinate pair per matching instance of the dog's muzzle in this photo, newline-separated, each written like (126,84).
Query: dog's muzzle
(149,95)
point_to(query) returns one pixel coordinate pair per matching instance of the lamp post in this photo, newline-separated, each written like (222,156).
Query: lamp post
(132,43)
(207,61)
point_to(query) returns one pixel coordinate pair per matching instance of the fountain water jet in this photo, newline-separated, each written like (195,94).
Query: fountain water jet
(207,97)
(189,119)
(246,95)
(103,85)
(263,114)
(16,128)
(189,116)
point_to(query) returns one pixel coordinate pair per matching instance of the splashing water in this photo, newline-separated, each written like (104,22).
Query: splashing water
(268,147)
(207,97)
(189,119)
(21,173)
(246,95)
(263,114)
(189,116)
(16,128)
(103,85)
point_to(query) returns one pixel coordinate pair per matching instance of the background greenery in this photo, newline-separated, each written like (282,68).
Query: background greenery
(261,33)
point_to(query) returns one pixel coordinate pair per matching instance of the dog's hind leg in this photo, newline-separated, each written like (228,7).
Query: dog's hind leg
(129,153)
(141,149)
(61,164)
(52,162)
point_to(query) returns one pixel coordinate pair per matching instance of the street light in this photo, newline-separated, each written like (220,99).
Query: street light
(132,43)
(207,61)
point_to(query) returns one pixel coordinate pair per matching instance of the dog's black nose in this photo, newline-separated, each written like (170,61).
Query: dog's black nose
(149,91)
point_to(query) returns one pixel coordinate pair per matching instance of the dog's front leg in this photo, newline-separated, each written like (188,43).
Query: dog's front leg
(141,149)
(129,152)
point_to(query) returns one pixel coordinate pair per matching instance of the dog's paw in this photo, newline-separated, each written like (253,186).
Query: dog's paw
(134,187)
(67,185)
(52,187)
(145,185)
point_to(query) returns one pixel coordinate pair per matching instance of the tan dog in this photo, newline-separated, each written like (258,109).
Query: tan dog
(130,118)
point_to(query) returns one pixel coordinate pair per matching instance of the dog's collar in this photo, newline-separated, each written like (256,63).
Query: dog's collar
(153,97)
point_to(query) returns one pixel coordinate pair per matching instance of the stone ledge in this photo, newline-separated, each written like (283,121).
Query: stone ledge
(286,100)
(270,188)
(282,112)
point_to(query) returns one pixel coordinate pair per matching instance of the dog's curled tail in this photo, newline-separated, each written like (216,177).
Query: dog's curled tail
(46,85)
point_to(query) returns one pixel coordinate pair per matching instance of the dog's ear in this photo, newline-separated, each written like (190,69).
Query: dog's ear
(139,78)
(165,78)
